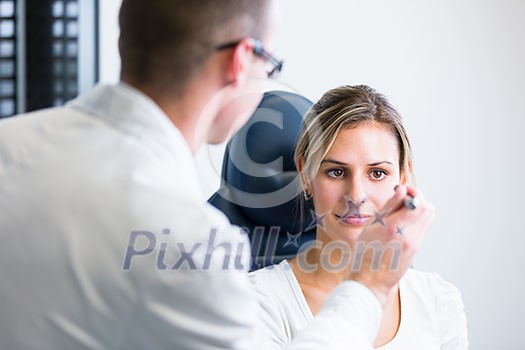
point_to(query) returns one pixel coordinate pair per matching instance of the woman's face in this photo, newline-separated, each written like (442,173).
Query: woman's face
(355,180)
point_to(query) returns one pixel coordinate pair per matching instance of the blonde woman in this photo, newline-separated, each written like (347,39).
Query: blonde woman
(352,154)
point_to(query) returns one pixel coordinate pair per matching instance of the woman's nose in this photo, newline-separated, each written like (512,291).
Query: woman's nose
(355,192)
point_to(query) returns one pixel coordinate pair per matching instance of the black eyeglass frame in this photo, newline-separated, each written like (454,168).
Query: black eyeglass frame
(259,51)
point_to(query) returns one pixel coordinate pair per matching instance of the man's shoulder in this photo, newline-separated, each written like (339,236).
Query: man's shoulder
(30,119)
(50,125)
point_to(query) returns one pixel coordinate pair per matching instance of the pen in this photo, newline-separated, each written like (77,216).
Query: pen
(410,202)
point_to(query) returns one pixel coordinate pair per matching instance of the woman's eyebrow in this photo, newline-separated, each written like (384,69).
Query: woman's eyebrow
(333,161)
(379,163)
(344,164)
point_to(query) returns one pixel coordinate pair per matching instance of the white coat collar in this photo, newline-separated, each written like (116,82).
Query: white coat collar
(135,114)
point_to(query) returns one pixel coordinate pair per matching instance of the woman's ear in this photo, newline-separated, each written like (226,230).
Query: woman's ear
(305,183)
(299,164)
(403,180)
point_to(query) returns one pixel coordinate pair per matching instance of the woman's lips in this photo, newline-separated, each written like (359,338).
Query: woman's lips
(355,220)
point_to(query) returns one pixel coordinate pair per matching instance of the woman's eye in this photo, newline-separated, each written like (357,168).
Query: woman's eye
(335,173)
(377,174)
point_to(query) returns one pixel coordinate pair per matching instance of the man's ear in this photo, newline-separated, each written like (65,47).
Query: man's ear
(240,61)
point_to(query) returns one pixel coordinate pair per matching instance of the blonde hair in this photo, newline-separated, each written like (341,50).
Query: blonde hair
(347,107)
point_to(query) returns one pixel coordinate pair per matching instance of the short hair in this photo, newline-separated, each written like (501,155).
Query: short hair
(348,107)
(165,42)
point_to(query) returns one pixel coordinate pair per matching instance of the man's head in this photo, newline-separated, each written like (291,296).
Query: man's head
(164,43)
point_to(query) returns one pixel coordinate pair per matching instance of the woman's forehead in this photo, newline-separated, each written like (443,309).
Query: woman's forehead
(372,142)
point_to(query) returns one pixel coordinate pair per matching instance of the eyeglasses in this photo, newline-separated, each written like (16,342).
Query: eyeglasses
(275,65)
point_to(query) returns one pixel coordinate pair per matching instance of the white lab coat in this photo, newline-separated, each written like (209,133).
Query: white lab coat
(105,240)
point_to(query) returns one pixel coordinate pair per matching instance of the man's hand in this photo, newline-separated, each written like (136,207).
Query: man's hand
(382,254)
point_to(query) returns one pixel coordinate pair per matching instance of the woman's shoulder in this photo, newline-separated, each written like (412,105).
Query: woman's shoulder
(271,279)
(280,298)
(431,281)
(443,300)
(443,294)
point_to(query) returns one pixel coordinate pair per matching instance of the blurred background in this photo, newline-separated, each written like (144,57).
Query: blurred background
(455,70)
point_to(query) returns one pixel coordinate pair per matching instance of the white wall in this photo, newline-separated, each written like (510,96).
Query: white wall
(456,72)
(109,63)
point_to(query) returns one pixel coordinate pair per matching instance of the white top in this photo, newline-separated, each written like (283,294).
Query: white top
(83,184)
(432,315)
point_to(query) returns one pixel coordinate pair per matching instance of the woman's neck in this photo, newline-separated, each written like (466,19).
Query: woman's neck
(323,264)
(320,270)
